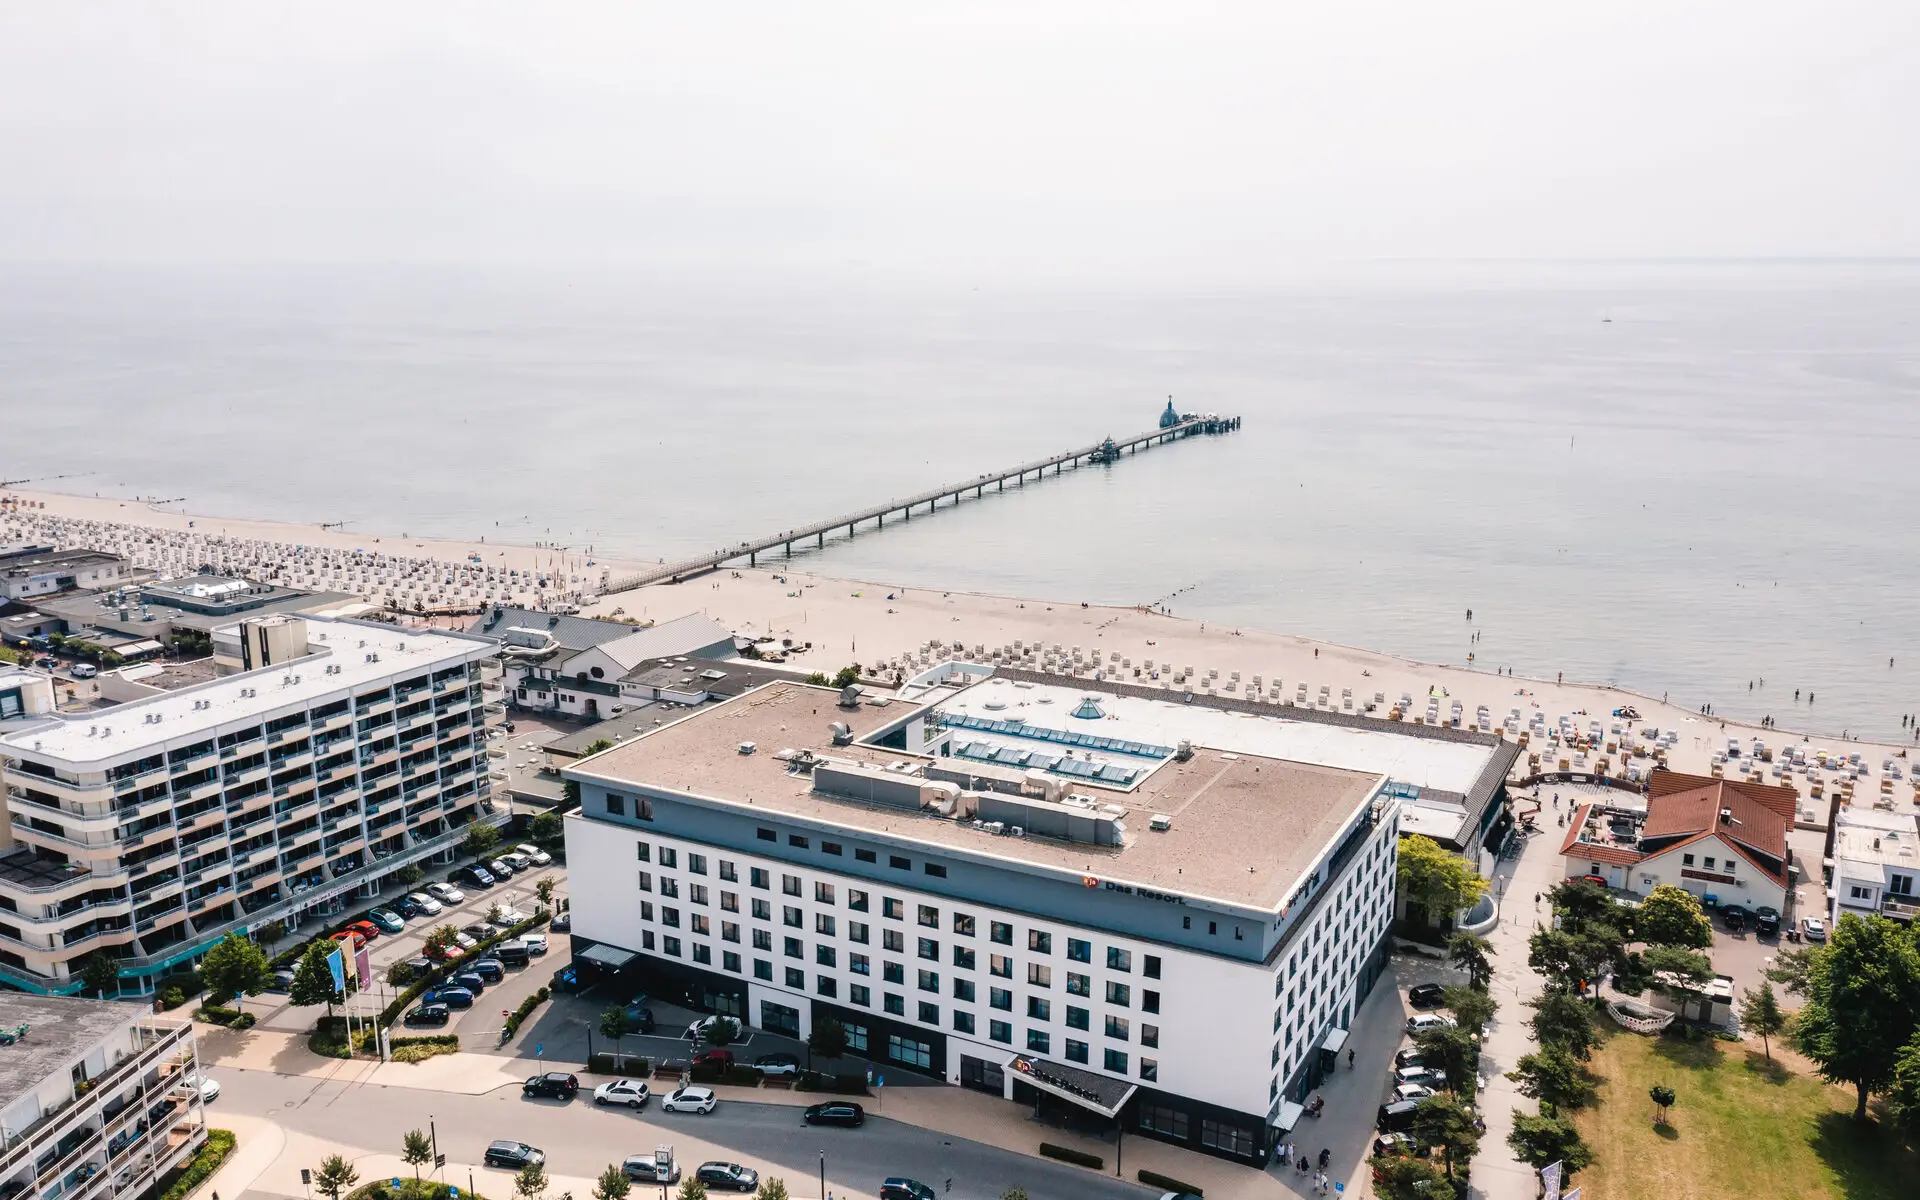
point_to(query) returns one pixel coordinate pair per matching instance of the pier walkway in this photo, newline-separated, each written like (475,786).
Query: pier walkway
(1106,451)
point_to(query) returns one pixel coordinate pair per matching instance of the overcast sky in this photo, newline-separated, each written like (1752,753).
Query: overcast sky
(1180,141)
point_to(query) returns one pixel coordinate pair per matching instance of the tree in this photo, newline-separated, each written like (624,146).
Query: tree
(1760,1013)
(400,974)
(1672,969)
(847,676)
(692,1189)
(543,889)
(1403,1177)
(493,912)
(270,935)
(1663,1098)
(1452,1052)
(440,939)
(1568,959)
(1671,916)
(416,1150)
(234,967)
(817,679)
(828,1040)
(1472,1008)
(613,1184)
(412,874)
(480,840)
(1554,1078)
(1903,1095)
(547,827)
(1859,1011)
(1435,880)
(1014,1193)
(1446,1122)
(1538,1141)
(98,973)
(1792,968)
(336,1175)
(772,1188)
(531,1182)
(614,1027)
(1474,955)
(1578,904)
(722,1032)
(313,978)
(1564,1021)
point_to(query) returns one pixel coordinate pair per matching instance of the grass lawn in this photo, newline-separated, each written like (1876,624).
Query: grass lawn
(1740,1128)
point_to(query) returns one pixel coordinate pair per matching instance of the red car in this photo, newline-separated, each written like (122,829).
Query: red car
(350,937)
(366,929)
(719,1060)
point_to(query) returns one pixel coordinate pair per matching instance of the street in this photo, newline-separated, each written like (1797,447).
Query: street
(581,1140)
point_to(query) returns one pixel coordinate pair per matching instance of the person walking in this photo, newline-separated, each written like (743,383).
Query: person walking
(1350,1057)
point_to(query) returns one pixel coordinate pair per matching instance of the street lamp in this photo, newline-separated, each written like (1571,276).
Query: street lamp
(823,1175)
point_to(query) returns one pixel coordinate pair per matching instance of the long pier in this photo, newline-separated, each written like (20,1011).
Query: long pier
(1107,451)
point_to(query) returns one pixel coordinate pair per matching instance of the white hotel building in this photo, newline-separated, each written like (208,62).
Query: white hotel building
(146,831)
(1160,913)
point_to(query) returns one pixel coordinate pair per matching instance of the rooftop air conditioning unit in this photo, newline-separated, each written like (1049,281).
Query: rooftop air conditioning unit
(1160,823)
(746,747)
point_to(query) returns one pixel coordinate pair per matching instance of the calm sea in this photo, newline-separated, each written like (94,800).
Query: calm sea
(1680,478)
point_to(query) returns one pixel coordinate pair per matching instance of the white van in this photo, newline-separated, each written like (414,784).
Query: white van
(83,671)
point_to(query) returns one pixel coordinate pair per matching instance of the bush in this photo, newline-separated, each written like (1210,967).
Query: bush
(852,1084)
(1166,1183)
(409,1189)
(636,1066)
(419,1049)
(187,983)
(171,998)
(526,1008)
(200,1167)
(1068,1154)
(232,1018)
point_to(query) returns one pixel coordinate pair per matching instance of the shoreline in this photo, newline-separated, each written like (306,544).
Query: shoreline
(838,615)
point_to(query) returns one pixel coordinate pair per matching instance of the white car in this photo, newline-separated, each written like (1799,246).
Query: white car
(691,1099)
(446,893)
(1411,1091)
(631,1092)
(1421,1022)
(508,918)
(704,1026)
(537,856)
(1813,929)
(209,1089)
(536,943)
(428,904)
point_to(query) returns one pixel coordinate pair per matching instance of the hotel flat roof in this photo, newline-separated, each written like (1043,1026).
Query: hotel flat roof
(1244,826)
(352,646)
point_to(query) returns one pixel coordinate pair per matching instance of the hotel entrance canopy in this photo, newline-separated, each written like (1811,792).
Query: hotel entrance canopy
(1095,1093)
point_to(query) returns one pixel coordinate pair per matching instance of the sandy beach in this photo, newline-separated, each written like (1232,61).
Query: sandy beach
(851,621)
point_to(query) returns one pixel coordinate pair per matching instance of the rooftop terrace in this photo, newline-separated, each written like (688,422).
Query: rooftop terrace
(62,1030)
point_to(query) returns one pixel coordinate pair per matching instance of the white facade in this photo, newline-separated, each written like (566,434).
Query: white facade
(25,577)
(1876,864)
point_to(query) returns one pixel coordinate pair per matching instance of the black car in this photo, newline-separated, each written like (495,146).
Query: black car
(407,906)
(1396,1117)
(1426,995)
(834,1112)
(1766,921)
(451,997)
(554,1085)
(1734,917)
(489,969)
(429,1014)
(728,1175)
(471,980)
(562,923)
(513,1155)
(901,1188)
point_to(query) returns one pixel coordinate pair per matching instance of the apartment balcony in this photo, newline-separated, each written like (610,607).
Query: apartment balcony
(204,819)
(337,721)
(92,848)
(240,749)
(146,837)
(133,783)
(379,758)
(198,762)
(96,792)
(250,775)
(165,1047)
(1900,907)
(292,733)
(299,758)
(200,791)
(377,708)
(99,939)
(345,770)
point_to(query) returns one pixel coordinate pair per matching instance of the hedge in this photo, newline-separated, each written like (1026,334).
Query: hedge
(634,1066)
(409,1189)
(1167,1183)
(526,1008)
(232,1018)
(427,1039)
(441,971)
(1068,1154)
(202,1165)
(854,1084)
(419,1049)
(174,990)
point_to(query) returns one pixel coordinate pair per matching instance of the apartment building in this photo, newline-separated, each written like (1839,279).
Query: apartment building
(28,572)
(98,1099)
(1024,889)
(1876,862)
(150,829)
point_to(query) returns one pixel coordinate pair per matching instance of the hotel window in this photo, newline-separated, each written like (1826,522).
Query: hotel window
(856,900)
(1077,1017)
(1861,893)
(1079,951)
(865,856)
(963,990)
(1161,1118)
(823,893)
(762,910)
(1039,975)
(1118,993)
(669,886)
(1039,941)
(963,958)
(898,863)
(670,917)
(1039,1008)
(644,850)
(766,835)
(616,806)
(1079,985)
(1150,1069)
(1076,1051)
(823,924)
(1228,1139)
(759,878)
(671,945)
(892,909)
(856,1037)
(1708,862)
(857,931)
(858,993)
(1151,966)
(762,969)
(893,972)
(1000,932)
(929,981)
(929,916)
(929,1013)
(934,869)
(698,924)
(893,941)
(796,979)
(910,1052)
(825,985)
(1686,860)
(1038,1041)
(697,893)
(646,881)
(1000,998)
(729,961)
(701,954)
(792,917)
(1117,1029)
(825,955)
(1117,1061)
(1118,959)
(729,931)
(793,947)
(859,964)
(1000,965)
(669,857)
(646,939)
(830,848)
(1149,1001)
(963,1023)
(897,1005)
(762,940)
(696,864)
(796,841)
(727,873)
(730,901)
(929,949)
(963,924)
(1000,1031)
(1150,1036)
(790,885)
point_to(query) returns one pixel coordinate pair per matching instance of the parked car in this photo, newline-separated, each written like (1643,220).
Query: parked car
(465,940)
(554,1085)
(1734,917)
(1430,1076)
(1766,921)
(536,943)
(489,969)
(428,1014)
(562,923)
(901,1188)
(209,1089)
(508,918)
(445,893)
(1813,929)
(496,868)
(476,875)
(1411,1091)
(719,1060)
(476,931)
(691,1099)
(631,1092)
(639,1017)
(1421,1022)
(1409,1057)
(512,953)
(658,1167)
(704,1026)
(349,938)
(1426,995)
(417,904)
(1396,1117)
(513,1155)
(834,1112)
(534,854)
(471,980)
(282,981)
(515,861)
(388,920)
(367,930)
(777,1064)
(452,997)
(83,670)
(730,1176)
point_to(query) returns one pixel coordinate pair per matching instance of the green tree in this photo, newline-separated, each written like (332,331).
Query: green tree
(547,827)
(1436,881)
(1566,960)
(1578,904)
(1474,955)
(772,1188)
(1014,1193)
(1471,1008)
(1671,916)
(847,676)
(1760,1013)
(1446,1122)
(400,974)
(1453,1053)
(1538,1141)
(1903,1094)
(543,889)
(1672,969)
(441,939)
(416,1150)
(234,967)
(480,840)
(1564,1021)
(723,1032)
(1403,1177)
(692,1189)
(1859,1012)
(1663,1098)
(1554,1078)
(412,875)
(99,973)
(1792,968)
(817,679)
(531,1182)
(313,979)
(613,1027)
(613,1184)
(336,1175)
(828,1040)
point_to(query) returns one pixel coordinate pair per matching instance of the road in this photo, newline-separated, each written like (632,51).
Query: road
(581,1140)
